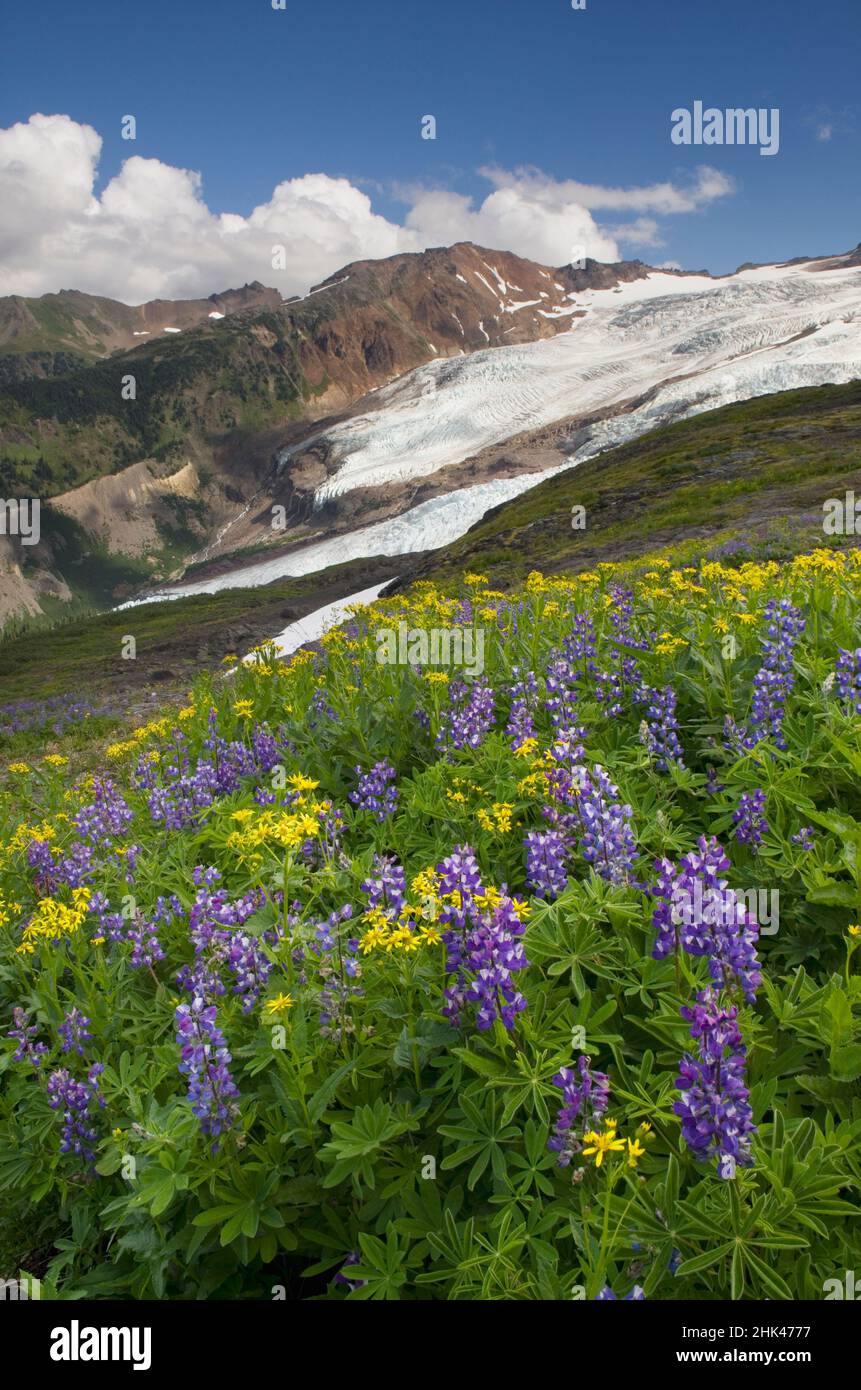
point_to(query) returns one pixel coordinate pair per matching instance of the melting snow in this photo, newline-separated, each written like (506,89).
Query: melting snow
(313,625)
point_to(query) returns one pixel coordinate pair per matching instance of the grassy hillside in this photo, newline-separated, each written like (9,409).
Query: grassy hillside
(174,640)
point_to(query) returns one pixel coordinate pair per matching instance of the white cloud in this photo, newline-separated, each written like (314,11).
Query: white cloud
(642,231)
(662,198)
(151,234)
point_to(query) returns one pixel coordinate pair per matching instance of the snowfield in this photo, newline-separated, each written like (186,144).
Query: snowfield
(755,332)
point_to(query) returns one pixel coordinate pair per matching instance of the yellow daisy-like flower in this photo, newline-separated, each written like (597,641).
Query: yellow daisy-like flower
(244,708)
(854,930)
(635,1152)
(20,768)
(279,1005)
(300,783)
(602,1144)
(526,748)
(55,760)
(117,750)
(187,712)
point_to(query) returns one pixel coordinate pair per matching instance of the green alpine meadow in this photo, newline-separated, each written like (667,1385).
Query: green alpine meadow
(541,984)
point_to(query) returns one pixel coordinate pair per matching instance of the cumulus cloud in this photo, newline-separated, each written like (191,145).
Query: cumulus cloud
(150,233)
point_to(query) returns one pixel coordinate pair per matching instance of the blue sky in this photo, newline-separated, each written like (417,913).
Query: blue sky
(250,97)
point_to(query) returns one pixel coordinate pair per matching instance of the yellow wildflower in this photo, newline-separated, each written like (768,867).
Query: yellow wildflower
(279,1004)
(601,1144)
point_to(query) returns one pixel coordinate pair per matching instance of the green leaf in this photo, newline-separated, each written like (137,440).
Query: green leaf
(485,1066)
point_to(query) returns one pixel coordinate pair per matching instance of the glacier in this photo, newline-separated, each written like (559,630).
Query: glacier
(646,353)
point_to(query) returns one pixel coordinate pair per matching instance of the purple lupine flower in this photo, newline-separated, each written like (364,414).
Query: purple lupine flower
(23,1032)
(848,678)
(561,694)
(622,619)
(524,699)
(75,1032)
(483,949)
(107,816)
(205,1061)
(340,1278)
(774,680)
(586,1095)
(698,913)
(180,796)
(804,837)
(459,876)
(637,1295)
(608,692)
(251,967)
(545,862)
(111,924)
(319,709)
(469,717)
(607,840)
(484,965)
(373,792)
(750,823)
(212,926)
(388,885)
(580,644)
(717,1120)
(74,1098)
(73,868)
(713,786)
(143,932)
(323,849)
(660,729)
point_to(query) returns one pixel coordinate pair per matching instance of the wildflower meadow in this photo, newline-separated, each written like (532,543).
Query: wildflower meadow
(359,976)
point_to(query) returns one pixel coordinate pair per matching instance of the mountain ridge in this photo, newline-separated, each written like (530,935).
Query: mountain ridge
(280,403)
